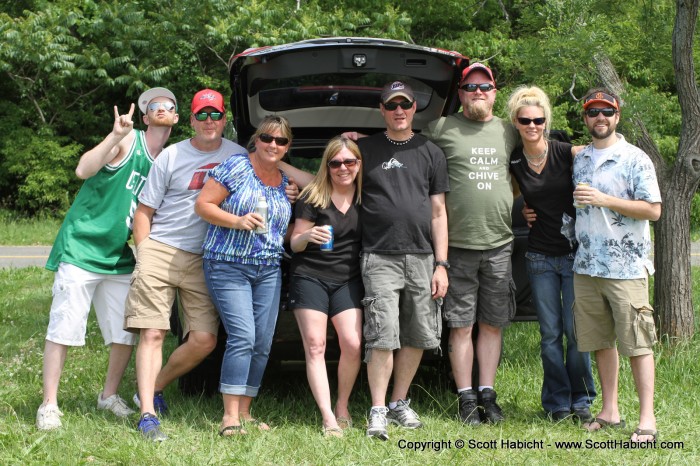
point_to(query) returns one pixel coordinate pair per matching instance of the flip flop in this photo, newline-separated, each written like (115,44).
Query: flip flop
(605,424)
(651,432)
(332,432)
(228,431)
(344,422)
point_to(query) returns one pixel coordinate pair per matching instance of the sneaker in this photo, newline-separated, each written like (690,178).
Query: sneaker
(468,408)
(377,423)
(582,414)
(404,416)
(159,403)
(149,426)
(48,417)
(557,416)
(489,409)
(116,404)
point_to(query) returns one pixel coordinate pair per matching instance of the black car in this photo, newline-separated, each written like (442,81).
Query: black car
(325,87)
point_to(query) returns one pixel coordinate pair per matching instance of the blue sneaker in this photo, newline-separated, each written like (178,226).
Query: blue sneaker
(149,426)
(159,403)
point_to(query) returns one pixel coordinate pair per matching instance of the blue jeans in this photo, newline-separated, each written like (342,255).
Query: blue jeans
(568,382)
(247,298)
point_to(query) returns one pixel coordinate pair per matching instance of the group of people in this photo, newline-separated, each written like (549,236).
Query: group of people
(399,204)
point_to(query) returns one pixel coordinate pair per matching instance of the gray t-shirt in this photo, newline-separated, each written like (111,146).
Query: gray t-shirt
(481,198)
(172,187)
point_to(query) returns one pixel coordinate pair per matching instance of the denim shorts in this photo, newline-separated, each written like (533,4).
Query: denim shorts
(399,309)
(607,309)
(321,295)
(481,287)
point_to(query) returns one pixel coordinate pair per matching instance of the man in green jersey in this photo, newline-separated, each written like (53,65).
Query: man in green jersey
(91,257)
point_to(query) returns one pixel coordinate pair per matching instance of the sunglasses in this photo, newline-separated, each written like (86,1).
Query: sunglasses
(594,112)
(268,138)
(483,87)
(202,116)
(391,106)
(526,121)
(168,106)
(335,164)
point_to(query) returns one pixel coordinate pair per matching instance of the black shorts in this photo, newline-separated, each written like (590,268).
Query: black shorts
(328,297)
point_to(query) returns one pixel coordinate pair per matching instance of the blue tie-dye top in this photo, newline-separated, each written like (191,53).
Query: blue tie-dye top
(612,245)
(236,174)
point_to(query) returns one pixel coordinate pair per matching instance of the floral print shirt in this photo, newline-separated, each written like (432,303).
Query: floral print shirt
(612,245)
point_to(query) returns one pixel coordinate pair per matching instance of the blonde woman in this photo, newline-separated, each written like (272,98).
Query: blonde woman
(543,168)
(327,284)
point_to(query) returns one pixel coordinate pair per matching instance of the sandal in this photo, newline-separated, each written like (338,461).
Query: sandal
(332,432)
(650,432)
(229,431)
(344,422)
(604,424)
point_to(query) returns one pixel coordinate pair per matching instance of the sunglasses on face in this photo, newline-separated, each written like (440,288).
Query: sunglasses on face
(391,106)
(202,116)
(268,138)
(594,112)
(168,106)
(335,164)
(526,121)
(483,87)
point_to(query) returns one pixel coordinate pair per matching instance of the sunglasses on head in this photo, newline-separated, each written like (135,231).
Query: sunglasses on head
(268,138)
(526,121)
(483,87)
(202,116)
(347,162)
(594,112)
(391,106)
(168,106)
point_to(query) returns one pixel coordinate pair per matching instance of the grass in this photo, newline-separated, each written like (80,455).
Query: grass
(94,437)
(22,231)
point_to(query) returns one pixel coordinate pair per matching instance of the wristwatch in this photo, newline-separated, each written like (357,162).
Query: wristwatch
(443,263)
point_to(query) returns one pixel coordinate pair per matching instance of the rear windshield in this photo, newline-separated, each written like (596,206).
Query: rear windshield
(333,90)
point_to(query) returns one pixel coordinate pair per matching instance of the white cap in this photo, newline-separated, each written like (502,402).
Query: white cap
(151,94)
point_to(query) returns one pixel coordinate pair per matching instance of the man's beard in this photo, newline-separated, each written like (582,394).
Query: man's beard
(601,135)
(478,110)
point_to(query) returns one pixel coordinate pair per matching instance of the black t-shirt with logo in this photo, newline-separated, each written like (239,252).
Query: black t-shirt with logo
(397,183)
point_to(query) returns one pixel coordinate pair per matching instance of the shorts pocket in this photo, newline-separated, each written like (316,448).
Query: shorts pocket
(370,328)
(512,301)
(644,327)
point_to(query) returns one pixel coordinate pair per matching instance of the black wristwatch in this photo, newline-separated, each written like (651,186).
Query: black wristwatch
(443,263)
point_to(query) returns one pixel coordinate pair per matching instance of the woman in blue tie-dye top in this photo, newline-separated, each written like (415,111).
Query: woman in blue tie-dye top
(241,266)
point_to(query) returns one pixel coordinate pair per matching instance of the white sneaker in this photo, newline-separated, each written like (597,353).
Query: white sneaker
(48,417)
(116,404)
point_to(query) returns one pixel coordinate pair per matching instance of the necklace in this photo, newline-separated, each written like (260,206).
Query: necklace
(398,143)
(541,157)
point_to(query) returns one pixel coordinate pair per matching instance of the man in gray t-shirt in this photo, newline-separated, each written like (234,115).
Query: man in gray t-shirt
(169,236)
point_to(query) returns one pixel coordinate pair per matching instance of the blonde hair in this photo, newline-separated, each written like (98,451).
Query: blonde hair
(268,125)
(318,192)
(530,96)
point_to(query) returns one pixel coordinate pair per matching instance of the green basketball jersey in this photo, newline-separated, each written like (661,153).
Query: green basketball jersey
(96,229)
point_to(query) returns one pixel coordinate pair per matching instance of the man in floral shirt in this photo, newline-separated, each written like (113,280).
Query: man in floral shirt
(616,195)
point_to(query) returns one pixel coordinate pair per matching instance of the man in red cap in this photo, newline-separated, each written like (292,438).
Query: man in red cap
(91,257)
(477,146)
(168,235)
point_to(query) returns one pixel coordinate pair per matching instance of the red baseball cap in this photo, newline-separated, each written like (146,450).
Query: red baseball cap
(476,66)
(601,97)
(208,98)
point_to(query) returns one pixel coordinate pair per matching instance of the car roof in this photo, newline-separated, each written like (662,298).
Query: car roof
(327,86)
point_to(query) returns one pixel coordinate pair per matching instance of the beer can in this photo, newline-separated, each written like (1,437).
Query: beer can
(576,204)
(328,245)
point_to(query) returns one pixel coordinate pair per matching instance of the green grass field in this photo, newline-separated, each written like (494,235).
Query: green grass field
(94,437)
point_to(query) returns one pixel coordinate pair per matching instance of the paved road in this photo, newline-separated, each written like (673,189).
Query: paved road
(25,256)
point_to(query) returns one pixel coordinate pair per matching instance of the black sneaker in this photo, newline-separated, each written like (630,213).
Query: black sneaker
(557,416)
(583,415)
(489,409)
(468,408)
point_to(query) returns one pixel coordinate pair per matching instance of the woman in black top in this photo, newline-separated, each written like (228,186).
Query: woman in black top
(542,169)
(327,284)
